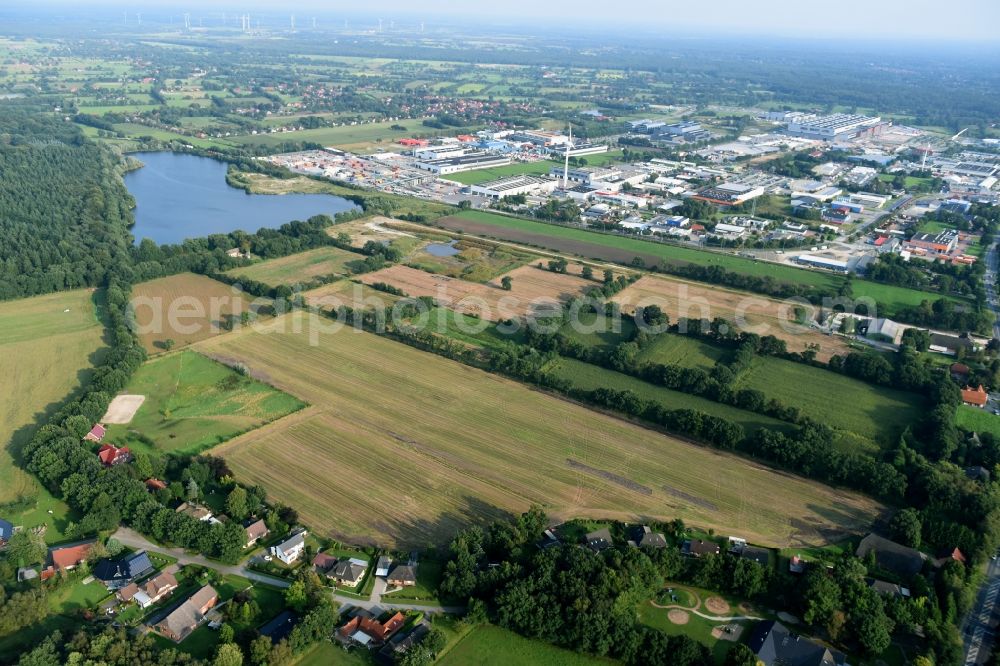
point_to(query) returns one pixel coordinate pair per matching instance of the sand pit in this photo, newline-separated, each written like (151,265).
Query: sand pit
(734,633)
(678,616)
(717,606)
(122,409)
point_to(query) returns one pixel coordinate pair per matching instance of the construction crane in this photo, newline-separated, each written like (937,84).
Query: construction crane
(955,138)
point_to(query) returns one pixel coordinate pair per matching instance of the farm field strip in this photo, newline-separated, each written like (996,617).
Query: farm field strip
(301,267)
(377,457)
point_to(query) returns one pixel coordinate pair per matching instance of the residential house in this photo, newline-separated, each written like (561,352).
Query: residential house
(111,455)
(256,530)
(180,622)
(196,511)
(119,573)
(888,589)
(960,372)
(699,548)
(153,485)
(348,572)
(796,565)
(978,473)
(975,397)
(365,630)
(775,645)
(948,555)
(66,558)
(323,562)
(291,549)
(548,540)
(280,627)
(6,532)
(96,434)
(644,537)
(759,555)
(599,540)
(402,643)
(382,566)
(145,595)
(403,575)
(895,557)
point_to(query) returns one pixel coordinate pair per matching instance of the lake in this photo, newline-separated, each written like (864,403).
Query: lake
(182,196)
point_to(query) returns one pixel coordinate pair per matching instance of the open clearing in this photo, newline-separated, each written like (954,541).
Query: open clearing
(47,345)
(122,409)
(302,267)
(404,448)
(195,403)
(761,315)
(184,308)
(532,290)
(978,420)
(487,645)
(347,293)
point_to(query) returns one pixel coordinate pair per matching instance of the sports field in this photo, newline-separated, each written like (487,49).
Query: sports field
(621,249)
(47,345)
(757,314)
(184,308)
(302,267)
(404,448)
(193,403)
(478,176)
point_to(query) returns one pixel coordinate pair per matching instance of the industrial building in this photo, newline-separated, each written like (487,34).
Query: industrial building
(439,152)
(587,175)
(581,149)
(729,194)
(464,161)
(827,128)
(689,131)
(944,242)
(515,185)
(822,262)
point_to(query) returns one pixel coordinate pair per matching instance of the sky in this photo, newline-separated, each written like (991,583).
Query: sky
(946,20)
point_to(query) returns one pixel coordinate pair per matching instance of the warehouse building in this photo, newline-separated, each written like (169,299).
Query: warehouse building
(465,161)
(515,185)
(827,128)
(729,194)
(822,262)
(940,243)
(587,175)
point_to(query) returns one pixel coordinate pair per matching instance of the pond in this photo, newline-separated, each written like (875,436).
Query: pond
(443,249)
(182,196)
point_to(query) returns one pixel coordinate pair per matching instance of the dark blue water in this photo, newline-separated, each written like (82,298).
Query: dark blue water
(186,196)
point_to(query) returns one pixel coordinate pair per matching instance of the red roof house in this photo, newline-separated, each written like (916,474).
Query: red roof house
(367,630)
(975,397)
(155,484)
(68,557)
(111,455)
(96,433)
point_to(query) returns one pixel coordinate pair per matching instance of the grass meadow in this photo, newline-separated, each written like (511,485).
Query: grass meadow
(978,420)
(301,267)
(193,403)
(488,645)
(403,448)
(47,346)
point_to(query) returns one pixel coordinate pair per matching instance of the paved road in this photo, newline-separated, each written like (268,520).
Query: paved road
(978,631)
(133,539)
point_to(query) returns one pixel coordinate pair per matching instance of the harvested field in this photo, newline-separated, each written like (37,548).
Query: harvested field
(122,409)
(302,267)
(354,295)
(184,308)
(403,448)
(759,314)
(532,290)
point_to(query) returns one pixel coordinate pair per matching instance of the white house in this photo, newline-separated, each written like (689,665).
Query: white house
(291,549)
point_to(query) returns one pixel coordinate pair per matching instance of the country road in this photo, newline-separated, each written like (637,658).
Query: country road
(133,539)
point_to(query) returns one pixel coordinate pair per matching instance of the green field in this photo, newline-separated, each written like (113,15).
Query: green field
(301,268)
(517,169)
(47,345)
(488,645)
(875,413)
(978,420)
(894,297)
(326,653)
(697,628)
(599,331)
(682,350)
(590,377)
(573,239)
(349,136)
(193,403)
(462,328)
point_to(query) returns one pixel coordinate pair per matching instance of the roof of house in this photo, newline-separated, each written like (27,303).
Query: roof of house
(295,541)
(128,592)
(195,511)
(977,396)
(758,555)
(155,484)
(950,554)
(159,584)
(97,432)
(773,644)
(886,588)
(383,562)
(647,538)
(125,568)
(959,369)
(403,572)
(280,626)
(69,556)
(6,529)
(351,569)
(891,555)
(373,628)
(256,529)
(186,617)
(599,539)
(699,547)
(324,561)
(109,453)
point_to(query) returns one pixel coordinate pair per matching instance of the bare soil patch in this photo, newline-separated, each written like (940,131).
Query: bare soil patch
(122,409)
(717,606)
(678,616)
